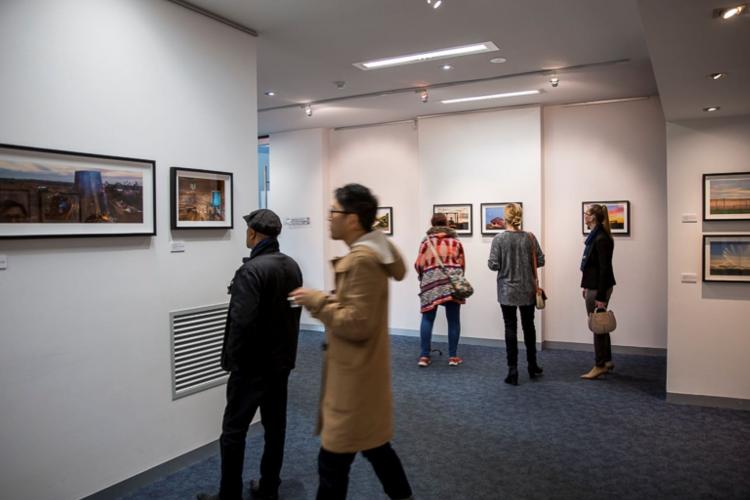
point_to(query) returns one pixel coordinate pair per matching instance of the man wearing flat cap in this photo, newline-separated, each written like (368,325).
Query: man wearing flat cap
(259,351)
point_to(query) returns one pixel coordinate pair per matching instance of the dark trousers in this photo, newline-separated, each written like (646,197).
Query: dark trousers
(245,394)
(333,469)
(511,333)
(602,341)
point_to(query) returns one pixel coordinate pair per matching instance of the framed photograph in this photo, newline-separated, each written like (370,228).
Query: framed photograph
(726,257)
(201,199)
(493,217)
(459,217)
(384,220)
(46,193)
(726,196)
(619,216)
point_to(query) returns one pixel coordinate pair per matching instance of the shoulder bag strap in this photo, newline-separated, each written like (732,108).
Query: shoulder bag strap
(533,260)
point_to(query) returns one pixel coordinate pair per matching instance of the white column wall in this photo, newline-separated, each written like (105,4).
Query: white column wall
(607,152)
(708,337)
(298,174)
(474,158)
(85,398)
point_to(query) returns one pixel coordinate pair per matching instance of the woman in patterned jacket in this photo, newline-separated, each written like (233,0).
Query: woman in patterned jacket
(435,287)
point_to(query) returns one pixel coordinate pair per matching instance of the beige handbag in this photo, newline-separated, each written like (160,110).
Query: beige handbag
(602,321)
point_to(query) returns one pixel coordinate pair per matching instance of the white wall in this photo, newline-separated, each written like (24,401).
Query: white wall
(708,337)
(478,158)
(600,153)
(297,165)
(85,399)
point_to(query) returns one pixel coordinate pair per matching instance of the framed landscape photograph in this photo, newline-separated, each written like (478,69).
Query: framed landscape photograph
(493,217)
(459,217)
(201,199)
(384,220)
(726,257)
(619,216)
(726,196)
(46,193)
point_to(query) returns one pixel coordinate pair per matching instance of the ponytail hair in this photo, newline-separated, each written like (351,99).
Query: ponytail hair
(601,214)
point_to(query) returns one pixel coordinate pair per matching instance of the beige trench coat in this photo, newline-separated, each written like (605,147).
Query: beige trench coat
(356,404)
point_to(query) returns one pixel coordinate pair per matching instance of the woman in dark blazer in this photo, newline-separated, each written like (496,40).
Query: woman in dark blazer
(598,281)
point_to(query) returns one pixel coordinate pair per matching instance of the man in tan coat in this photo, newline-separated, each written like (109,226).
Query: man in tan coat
(356,412)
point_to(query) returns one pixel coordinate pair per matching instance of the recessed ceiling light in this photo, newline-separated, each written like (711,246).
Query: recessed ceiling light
(498,60)
(463,50)
(270,93)
(493,96)
(711,109)
(717,76)
(447,67)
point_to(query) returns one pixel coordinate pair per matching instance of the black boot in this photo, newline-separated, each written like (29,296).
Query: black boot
(512,377)
(535,370)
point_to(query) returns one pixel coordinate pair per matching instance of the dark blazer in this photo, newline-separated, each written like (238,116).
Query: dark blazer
(598,274)
(262,329)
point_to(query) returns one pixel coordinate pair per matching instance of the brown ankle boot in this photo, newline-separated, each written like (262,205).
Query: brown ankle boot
(595,372)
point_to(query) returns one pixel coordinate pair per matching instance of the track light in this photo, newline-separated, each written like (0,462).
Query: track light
(424,96)
(435,4)
(717,76)
(308,110)
(730,12)
(554,81)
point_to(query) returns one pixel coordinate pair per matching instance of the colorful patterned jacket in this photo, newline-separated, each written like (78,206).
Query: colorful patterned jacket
(434,285)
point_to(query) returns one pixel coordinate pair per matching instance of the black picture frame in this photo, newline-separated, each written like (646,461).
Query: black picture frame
(385,225)
(619,228)
(459,211)
(489,231)
(201,199)
(730,207)
(729,260)
(75,194)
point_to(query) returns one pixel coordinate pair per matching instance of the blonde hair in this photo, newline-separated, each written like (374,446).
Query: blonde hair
(601,214)
(513,215)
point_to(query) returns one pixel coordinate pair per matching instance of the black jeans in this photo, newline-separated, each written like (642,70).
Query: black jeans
(333,469)
(602,341)
(245,394)
(511,333)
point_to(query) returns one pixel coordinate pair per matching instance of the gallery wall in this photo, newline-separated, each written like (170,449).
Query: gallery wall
(607,152)
(85,399)
(709,337)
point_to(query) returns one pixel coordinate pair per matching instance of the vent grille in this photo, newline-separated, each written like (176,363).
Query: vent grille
(197,335)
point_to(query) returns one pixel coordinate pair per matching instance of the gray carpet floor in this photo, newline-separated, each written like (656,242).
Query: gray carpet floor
(462,433)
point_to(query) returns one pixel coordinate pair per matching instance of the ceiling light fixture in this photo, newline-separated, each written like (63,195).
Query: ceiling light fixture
(308,110)
(493,96)
(436,4)
(463,50)
(711,109)
(498,60)
(270,93)
(554,81)
(424,96)
(447,67)
(730,12)
(717,76)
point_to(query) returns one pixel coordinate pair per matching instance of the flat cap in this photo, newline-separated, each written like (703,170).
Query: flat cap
(264,221)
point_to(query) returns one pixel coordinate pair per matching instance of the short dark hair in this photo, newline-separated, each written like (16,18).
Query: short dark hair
(439,219)
(357,199)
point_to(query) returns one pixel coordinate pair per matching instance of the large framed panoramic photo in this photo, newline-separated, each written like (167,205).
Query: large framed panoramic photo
(726,196)
(48,193)
(493,217)
(619,216)
(201,199)
(458,215)
(726,257)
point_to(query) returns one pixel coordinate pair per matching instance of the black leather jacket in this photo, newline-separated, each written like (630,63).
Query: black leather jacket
(262,329)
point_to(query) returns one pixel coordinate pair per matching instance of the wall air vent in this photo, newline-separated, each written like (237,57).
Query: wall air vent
(197,335)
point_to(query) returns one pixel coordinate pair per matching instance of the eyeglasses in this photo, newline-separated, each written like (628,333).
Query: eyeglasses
(332,211)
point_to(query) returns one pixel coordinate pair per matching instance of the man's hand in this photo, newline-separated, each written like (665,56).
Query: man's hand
(302,296)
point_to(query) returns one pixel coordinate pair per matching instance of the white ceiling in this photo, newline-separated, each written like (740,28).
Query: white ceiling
(306,45)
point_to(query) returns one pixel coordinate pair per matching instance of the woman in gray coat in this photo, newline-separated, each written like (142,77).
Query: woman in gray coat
(511,256)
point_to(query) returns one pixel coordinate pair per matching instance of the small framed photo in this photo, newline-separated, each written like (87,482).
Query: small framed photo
(201,199)
(48,193)
(459,217)
(384,220)
(493,217)
(726,257)
(726,196)
(619,216)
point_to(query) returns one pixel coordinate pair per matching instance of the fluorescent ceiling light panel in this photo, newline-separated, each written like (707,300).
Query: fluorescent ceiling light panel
(464,50)
(493,96)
